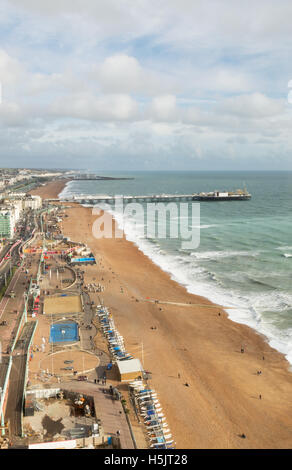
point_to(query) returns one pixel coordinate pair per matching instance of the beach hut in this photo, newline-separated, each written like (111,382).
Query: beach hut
(129,370)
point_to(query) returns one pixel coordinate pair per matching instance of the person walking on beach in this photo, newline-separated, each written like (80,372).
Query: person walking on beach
(178,375)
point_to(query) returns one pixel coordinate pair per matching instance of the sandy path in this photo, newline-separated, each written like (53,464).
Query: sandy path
(222,400)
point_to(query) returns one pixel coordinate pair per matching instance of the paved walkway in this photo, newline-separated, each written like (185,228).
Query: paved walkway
(87,335)
(14,403)
(109,411)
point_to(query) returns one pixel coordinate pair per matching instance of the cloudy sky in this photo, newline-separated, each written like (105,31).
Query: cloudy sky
(146,84)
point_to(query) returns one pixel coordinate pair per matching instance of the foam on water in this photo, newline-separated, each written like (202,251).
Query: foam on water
(68,191)
(204,226)
(221,254)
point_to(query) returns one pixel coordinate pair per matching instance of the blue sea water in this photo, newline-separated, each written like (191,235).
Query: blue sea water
(244,260)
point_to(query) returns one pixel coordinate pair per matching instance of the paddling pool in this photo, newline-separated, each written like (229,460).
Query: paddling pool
(64,332)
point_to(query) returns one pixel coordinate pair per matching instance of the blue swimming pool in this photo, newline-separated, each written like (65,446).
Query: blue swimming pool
(64,331)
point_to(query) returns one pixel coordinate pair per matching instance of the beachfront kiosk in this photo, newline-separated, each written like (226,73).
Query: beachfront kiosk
(130,370)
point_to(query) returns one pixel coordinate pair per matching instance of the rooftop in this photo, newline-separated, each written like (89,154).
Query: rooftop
(132,365)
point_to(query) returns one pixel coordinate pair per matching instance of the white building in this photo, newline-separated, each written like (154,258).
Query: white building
(130,370)
(16,207)
(32,202)
(24,201)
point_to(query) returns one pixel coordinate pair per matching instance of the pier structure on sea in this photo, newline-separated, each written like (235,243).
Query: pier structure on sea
(99,199)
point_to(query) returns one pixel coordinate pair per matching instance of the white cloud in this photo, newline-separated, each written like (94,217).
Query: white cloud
(163,108)
(176,19)
(102,108)
(10,69)
(228,80)
(120,73)
(11,115)
(255,105)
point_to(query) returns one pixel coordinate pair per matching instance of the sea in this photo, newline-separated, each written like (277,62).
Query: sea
(244,258)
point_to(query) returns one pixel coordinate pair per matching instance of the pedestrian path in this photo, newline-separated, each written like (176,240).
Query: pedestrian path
(109,411)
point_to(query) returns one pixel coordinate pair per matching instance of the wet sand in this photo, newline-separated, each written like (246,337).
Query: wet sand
(191,344)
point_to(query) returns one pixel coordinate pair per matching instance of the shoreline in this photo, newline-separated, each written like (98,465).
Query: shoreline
(195,342)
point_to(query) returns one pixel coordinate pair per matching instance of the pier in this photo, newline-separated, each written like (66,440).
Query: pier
(213,196)
(100,178)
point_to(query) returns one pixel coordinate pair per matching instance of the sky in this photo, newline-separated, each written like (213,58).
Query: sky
(146,84)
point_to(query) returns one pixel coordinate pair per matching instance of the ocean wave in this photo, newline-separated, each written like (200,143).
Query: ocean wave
(276,301)
(66,191)
(210,255)
(204,226)
(287,255)
(261,282)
